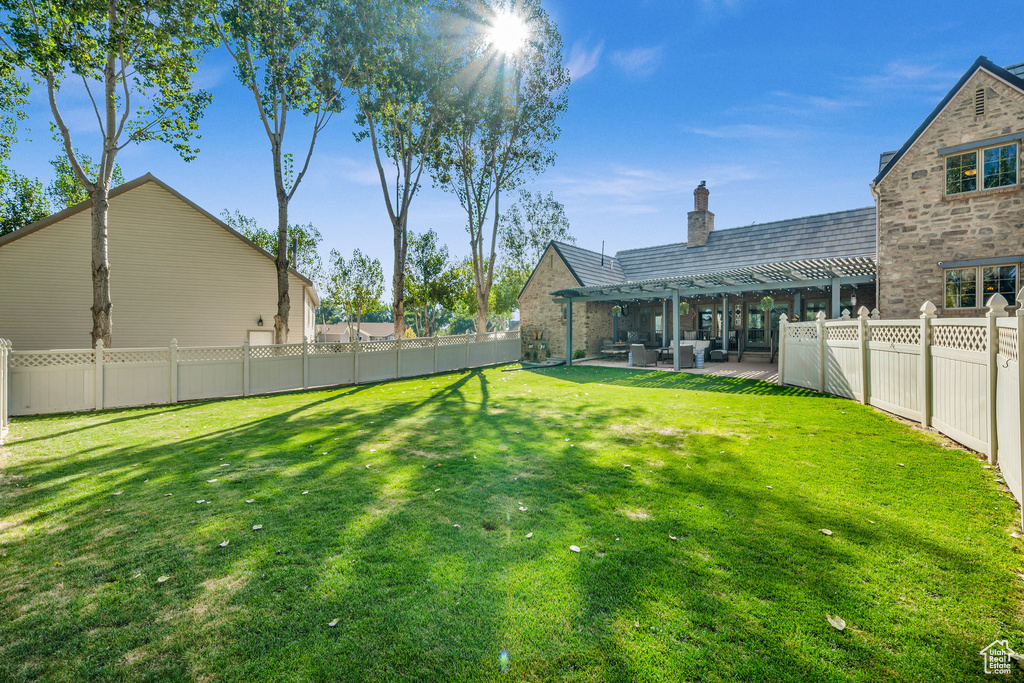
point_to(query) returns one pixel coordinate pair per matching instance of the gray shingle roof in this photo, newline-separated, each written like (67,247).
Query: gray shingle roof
(586,265)
(830,235)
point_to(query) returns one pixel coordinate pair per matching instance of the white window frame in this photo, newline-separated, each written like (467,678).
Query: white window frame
(979,157)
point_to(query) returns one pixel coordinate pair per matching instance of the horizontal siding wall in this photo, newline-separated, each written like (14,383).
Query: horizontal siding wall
(83,379)
(174,274)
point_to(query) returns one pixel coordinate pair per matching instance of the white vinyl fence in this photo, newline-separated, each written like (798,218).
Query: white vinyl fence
(962,376)
(5,413)
(92,379)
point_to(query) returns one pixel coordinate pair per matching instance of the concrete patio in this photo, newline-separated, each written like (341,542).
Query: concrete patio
(769,372)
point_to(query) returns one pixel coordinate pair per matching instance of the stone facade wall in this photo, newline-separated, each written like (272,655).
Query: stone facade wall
(918,226)
(591,321)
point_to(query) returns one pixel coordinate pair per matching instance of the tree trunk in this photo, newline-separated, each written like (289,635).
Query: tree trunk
(101,304)
(284,303)
(398,280)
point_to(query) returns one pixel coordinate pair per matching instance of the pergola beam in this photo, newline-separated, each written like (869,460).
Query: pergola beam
(826,284)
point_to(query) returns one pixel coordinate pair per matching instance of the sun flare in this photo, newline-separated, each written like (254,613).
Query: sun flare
(508,33)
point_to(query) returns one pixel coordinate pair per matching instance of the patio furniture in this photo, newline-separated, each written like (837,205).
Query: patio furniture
(685,355)
(718,356)
(642,356)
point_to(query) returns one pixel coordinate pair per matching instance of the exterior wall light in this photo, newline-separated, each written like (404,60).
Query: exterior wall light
(259,323)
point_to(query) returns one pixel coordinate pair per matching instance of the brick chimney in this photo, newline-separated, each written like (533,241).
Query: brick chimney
(699,222)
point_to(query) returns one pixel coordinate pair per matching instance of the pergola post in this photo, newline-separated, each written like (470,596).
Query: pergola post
(725,325)
(675,330)
(836,313)
(568,332)
(664,321)
(797,313)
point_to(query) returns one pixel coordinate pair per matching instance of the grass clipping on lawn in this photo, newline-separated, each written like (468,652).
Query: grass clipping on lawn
(414,530)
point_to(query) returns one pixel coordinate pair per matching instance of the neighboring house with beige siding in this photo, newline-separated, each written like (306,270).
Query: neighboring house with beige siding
(176,272)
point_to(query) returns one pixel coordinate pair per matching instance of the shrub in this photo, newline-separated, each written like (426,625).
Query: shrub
(579,353)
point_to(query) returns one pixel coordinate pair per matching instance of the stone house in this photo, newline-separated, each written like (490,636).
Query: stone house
(950,201)
(713,284)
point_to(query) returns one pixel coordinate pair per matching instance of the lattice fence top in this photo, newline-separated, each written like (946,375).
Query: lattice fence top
(842,333)
(277,351)
(212,353)
(451,341)
(805,332)
(379,345)
(48,359)
(1008,343)
(134,356)
(328,348)
(960,337)
(895,334)
(419,343)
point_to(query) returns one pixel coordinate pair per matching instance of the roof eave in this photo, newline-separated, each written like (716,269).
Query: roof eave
(979,63)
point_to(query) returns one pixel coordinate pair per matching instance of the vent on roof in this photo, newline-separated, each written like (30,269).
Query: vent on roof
(979,102)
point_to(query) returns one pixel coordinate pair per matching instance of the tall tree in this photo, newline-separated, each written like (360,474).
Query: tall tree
(403,87)
(528,226)
(356,286)
(135,60)
(303,243)
(65,190)
(294,56)
(505,123)
(23,201)
(429,281)
(13,99)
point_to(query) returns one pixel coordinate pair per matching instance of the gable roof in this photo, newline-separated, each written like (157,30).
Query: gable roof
(585,265)
(1011,77)
(128,187)
(842,234)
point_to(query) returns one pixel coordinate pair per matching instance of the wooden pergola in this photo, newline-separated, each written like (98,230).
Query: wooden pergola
(826,273)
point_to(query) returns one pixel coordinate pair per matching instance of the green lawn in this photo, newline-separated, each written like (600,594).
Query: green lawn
(697,504)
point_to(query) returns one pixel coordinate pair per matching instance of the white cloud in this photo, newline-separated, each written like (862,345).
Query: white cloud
(640,61)
(743,130)
(903,74)
(583,60)
(621,190)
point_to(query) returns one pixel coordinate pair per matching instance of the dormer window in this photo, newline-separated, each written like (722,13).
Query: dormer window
(981,169)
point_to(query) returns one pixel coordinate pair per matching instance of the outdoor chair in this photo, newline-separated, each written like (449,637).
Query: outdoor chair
(686,356)
(642,356)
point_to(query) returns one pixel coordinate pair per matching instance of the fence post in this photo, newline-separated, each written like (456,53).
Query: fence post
(305,363)
(355,363)
(494,338)
(435,352)
(996,309)
(99,375)
(467,350)
(862,336)
(174,371)
(398,358)
(5,373)
(924,381)
(245,368)
(783,319)
(820,321)
(1020,386)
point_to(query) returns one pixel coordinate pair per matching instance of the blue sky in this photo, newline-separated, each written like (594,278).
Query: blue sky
(782,107)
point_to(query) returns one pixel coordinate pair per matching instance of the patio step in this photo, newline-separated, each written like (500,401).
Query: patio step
(756,357)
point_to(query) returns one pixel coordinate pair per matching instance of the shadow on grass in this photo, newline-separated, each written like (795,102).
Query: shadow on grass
(655,379)
(390,469)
